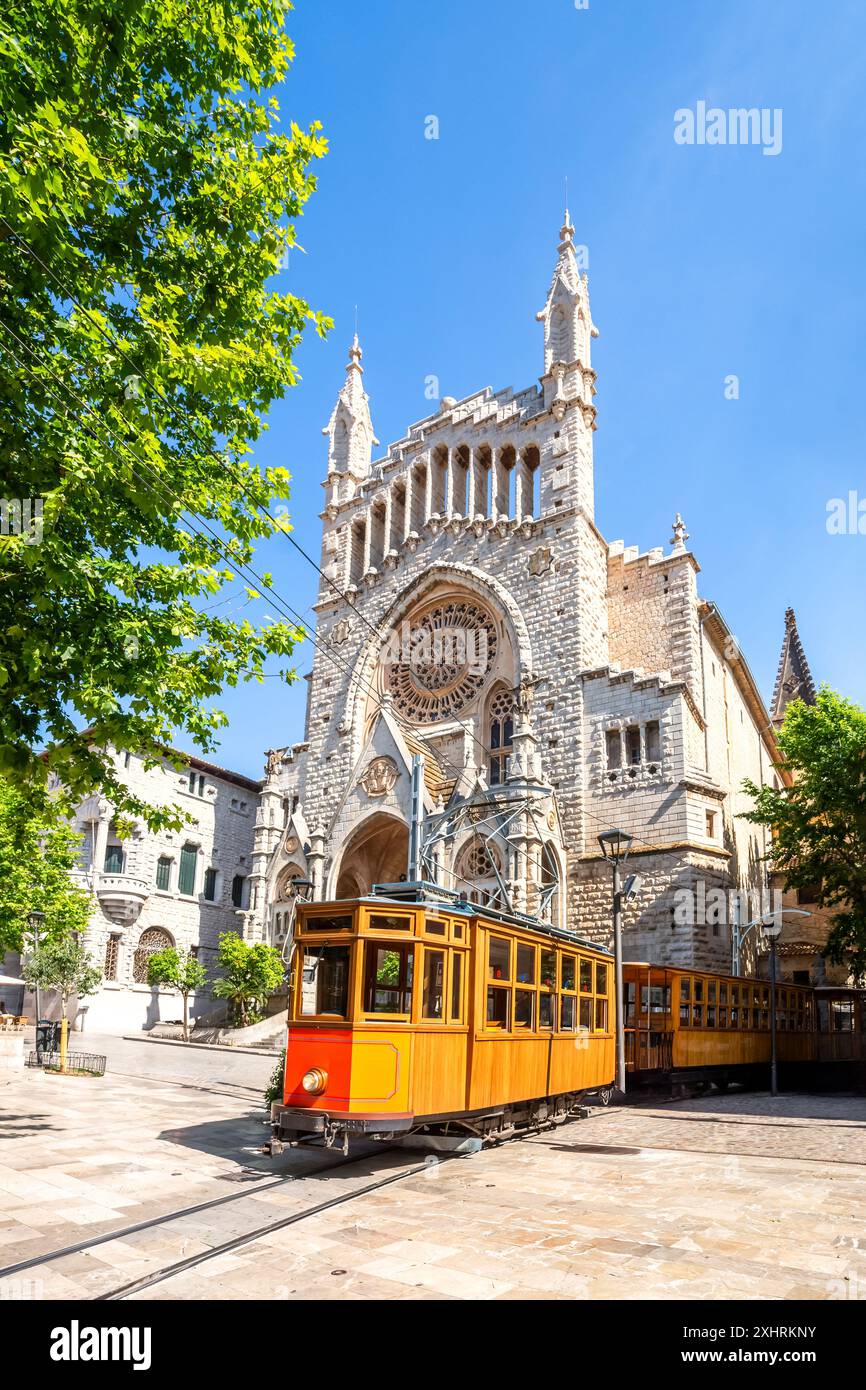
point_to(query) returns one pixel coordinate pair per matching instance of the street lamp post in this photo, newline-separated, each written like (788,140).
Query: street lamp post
(615,846)
(35,920)
(772,930)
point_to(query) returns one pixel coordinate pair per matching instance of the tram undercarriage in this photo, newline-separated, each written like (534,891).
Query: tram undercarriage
(291,1127)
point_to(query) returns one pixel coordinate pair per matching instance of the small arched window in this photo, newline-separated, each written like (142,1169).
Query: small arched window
(153,939)
(476,874)
(500,735)
(550,885)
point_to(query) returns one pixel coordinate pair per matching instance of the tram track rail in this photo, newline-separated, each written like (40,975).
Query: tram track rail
(159,1276)
(250,1189)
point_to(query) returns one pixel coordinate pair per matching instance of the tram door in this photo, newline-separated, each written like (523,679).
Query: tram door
(648,1026)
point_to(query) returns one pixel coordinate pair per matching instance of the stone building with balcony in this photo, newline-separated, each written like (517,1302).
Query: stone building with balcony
(153,890)
(480,641)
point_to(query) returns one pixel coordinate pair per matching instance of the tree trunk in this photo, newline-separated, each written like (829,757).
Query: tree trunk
(186,1015)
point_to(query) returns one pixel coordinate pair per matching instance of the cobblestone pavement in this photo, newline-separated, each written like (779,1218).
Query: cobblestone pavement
(737,1196)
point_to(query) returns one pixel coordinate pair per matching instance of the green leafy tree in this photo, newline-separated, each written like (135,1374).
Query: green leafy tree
(249,974)
(180,971)
(66,967)
(819,823)
(148,196)
(37,856)
(276,1085)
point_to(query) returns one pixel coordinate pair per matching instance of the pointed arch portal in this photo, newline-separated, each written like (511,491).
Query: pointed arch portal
(376,852)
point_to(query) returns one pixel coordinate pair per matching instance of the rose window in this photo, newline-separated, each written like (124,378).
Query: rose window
(439,660)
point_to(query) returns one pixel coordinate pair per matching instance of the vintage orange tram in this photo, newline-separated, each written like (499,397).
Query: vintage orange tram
(413,1010)
(684,1025)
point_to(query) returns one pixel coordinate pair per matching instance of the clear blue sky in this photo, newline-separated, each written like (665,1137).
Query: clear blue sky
(704,262)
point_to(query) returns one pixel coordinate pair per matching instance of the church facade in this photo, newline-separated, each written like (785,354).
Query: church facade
(495,684)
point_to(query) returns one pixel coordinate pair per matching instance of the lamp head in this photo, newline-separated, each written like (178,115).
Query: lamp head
(615,845)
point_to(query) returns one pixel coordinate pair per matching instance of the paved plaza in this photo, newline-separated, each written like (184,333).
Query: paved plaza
(736,1196)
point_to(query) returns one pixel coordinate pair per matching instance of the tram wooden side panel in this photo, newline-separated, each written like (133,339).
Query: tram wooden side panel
(507,1069)
(439,1070)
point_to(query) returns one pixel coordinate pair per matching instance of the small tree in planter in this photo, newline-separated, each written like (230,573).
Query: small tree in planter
(249,974)
(180,971)
(66,967)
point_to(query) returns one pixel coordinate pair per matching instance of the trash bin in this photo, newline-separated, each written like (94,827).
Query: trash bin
(47,1036)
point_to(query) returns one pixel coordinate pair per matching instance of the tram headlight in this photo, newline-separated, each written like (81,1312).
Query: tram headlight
(314,1081)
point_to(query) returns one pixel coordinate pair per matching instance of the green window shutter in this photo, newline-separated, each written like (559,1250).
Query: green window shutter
(163,874)
(186,874)
(210,884)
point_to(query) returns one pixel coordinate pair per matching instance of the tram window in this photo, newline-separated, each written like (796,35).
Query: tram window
(711,1015)
(601,1015)
(389,979)
(568,975)
(434,926)
(600,978)
(526,965)
(379,921)
(458,931)
(711,991)
(325,981)
(567,1013)
(499,959)
(659,999)
(723,994)
(744,1018)
(545,1010)
(524,1008)
(699,991)
(316,923)
(685,988)
(723,1016)
(843,1015)
(585,1014)
(685,1011)
(698,1015)
(765,1018)
(735,1017)
(586,977)
(456,976)
(629,998)
(735,994)
(548,970)
(498,1001)
(434,983)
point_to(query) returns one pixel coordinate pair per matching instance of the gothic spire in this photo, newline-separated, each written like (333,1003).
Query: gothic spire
(566,316)
(794,679)
(350,428)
